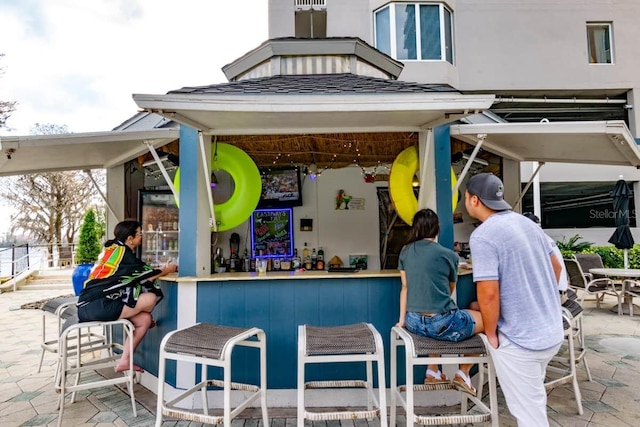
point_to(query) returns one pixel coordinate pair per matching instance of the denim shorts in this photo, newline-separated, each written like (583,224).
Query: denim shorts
(454,325)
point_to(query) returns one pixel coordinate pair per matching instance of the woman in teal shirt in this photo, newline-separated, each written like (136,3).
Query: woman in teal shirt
(429,273)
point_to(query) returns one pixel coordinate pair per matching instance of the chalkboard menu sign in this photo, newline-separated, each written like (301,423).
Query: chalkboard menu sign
(272,233)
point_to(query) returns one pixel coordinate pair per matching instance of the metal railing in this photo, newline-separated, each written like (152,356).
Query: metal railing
(17,259)
(310,3)
(13,261)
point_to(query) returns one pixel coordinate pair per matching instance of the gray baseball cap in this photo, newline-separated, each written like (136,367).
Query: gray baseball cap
(489,190)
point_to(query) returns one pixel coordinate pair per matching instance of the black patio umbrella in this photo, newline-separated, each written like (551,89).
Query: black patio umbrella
(622,238)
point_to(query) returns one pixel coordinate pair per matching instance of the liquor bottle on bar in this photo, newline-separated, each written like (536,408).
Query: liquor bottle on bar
(297,262)
(252,262)
(233,261)
(314,259)
(306,259)
(320,262)
(246,262)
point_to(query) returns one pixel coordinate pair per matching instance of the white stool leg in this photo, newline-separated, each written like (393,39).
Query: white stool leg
(382,390)
(227,393)
(263,378)
(301,362)
(161,373)
(409,393)
(203,389)
(127,332)
(394,378)
(574,381)
(369,369)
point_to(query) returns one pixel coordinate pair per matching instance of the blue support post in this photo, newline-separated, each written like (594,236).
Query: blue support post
(189,158)
(442,143)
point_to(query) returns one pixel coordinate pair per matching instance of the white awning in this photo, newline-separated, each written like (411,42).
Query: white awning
(76,151)
(262,114)
(604,142)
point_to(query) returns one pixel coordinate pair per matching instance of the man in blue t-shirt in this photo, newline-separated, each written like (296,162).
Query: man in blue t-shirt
(517,280)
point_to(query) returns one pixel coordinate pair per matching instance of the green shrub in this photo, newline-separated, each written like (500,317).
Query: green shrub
(572,245)
(567,254)
(634,257)
(88,247)
(611,256)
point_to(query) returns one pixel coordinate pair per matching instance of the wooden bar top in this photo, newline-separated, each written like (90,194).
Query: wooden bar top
(288,275)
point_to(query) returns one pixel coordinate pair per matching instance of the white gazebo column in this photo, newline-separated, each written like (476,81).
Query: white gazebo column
(427,171)
(633,100)
(511,180)
(116,197)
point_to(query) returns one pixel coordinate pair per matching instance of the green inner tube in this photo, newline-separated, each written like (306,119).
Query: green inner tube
(248,186)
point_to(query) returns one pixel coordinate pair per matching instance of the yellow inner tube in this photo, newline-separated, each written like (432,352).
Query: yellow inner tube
(248,186)
(403,170)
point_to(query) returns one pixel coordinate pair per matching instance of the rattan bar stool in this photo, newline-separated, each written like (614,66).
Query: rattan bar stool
(76,358)
(564,363)
(417,353)
(66,313)
(207,345)
(333,344)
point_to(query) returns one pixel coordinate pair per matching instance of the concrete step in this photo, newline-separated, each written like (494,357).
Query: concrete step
(53,279)
(45,280)
(42,286)
(42,281)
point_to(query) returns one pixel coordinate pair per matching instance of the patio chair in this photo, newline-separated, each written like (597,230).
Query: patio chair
(589,261)
(631,289)
(599,287)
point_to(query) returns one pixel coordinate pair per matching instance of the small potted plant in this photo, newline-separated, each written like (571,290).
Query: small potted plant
(87,250)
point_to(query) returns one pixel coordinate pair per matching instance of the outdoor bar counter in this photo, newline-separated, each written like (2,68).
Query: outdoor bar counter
(277,303)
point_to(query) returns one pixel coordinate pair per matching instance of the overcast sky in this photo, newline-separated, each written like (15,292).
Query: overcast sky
(77,62)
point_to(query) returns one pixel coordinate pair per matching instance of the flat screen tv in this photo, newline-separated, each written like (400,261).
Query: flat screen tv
(281,187)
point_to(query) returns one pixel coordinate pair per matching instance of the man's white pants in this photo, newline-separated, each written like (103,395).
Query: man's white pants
(521,375)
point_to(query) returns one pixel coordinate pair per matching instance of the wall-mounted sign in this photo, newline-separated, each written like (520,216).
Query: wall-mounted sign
(346,202)
(306,224)
(272,233)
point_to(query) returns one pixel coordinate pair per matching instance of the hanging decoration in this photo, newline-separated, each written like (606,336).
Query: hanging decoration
(401,177)
(248,185)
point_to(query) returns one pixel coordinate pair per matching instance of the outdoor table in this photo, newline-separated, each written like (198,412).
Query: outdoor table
(628,273)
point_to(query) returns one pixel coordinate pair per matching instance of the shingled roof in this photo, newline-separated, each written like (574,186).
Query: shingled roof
(316,84)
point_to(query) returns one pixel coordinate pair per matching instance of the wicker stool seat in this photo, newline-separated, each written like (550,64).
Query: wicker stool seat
(334,344)
(418,352)
(207,345)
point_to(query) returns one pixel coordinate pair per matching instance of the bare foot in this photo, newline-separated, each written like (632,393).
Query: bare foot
(121,367)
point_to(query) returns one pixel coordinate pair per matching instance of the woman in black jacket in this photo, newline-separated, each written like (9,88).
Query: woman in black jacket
(122,286)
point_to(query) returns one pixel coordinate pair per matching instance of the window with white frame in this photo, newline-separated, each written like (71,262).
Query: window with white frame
(599,42)
(415,31)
